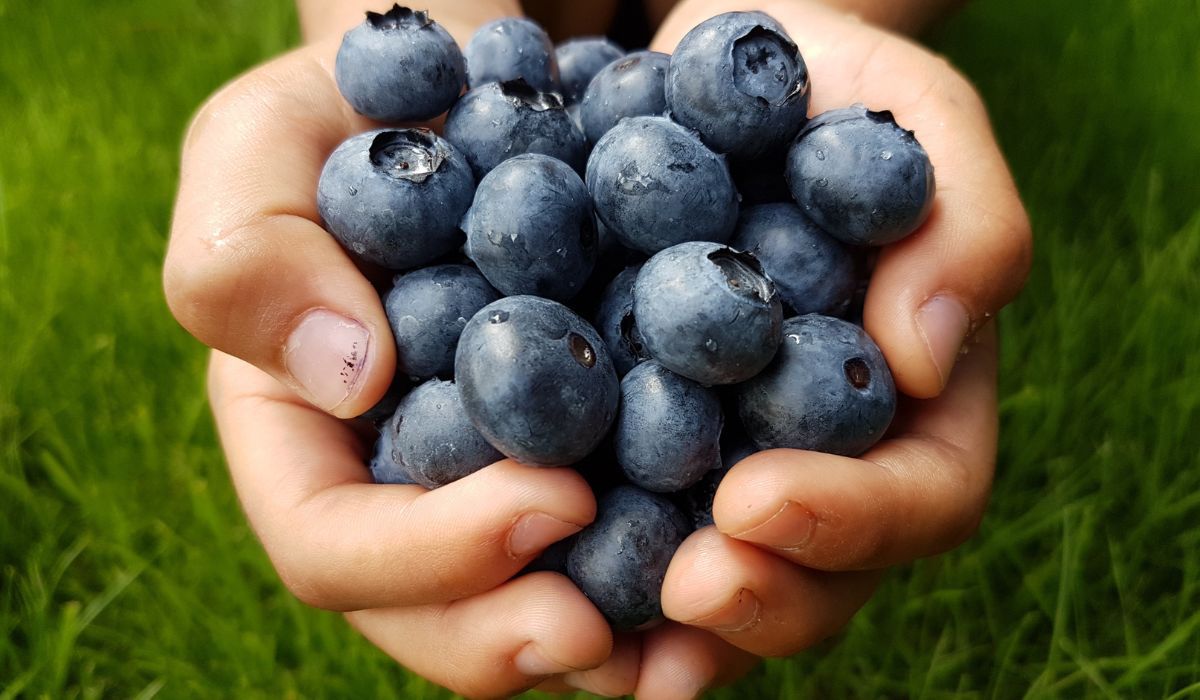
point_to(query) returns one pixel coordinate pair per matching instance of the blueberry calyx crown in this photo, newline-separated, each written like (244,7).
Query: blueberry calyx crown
(408,154)
(522,94)
(744,275)
(399,18)
(761,50)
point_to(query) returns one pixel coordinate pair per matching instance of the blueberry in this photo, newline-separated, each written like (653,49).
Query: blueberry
(395,197)
(860,176)
(531,229)
(384,467)
(497,121)
(427,310)
(633,86)
(432,439)
(813,272)
(616,323)
(620,560)
(512,48)
(399,67)
(707,312)
(655,185)
(579,60)
(740,81)
(536,381)
(668,431)
(828,390)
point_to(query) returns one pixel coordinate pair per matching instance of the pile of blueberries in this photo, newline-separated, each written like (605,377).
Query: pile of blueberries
(716,237)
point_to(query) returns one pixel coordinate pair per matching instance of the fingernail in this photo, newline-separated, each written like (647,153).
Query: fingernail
(326,354)
(530,661)
(944,323)
(791,528)
(739,614)
(536,531)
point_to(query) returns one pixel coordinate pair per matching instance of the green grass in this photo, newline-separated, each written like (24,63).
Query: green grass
(126,566)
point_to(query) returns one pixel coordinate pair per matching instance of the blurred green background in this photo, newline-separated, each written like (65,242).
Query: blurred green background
(127,569)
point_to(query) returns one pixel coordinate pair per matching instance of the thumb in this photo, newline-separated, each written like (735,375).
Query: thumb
(248,270)
(931,291)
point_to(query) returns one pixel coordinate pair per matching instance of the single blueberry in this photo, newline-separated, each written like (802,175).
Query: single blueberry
(620,560)
(579,60)
(708,312)
(656,185)
(497,121)
(668,431)
(828,390)
(536,380)
(531,229)
(813,272)
(512,48)
(632,86)
(617,325)
(740,81)
(399,66)
(860,176)
(432,440)
(395,197)
(427,310)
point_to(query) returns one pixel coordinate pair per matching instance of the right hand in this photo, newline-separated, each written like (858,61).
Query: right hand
(423,574)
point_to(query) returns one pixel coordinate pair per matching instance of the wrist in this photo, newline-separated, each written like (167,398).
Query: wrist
(323,18)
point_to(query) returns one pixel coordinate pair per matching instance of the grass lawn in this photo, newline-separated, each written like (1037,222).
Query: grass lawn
(127,569)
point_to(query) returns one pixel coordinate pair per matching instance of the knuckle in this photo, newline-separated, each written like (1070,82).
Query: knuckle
(201,287)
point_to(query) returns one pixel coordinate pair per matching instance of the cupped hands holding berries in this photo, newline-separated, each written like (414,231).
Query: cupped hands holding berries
(301,341)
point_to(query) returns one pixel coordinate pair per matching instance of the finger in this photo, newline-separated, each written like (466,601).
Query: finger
(343,543)
(617,676)
(681,663)
(498,643)
(249,271)
(932,290)
(755,600)
(920,492)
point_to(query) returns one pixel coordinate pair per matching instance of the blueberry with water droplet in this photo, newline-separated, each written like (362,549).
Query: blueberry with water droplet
(860,176)
(531,229)
(512,48)
(394,197)
(708,312)
(828,389)
(497,121)
(655,184)
(427,310)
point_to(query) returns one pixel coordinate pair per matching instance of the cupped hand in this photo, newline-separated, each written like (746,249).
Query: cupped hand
(800,537)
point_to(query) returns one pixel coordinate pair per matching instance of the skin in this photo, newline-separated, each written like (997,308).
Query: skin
(800,538)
